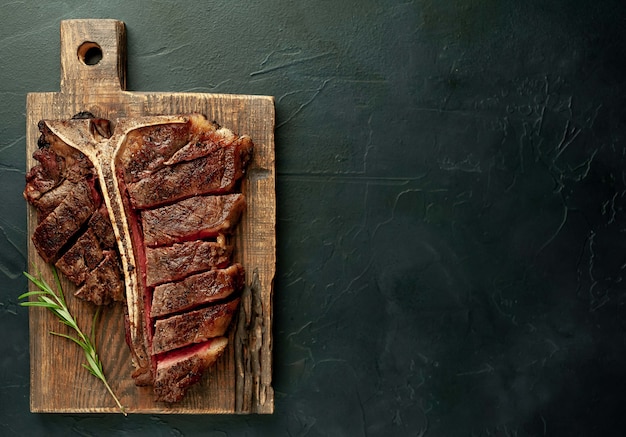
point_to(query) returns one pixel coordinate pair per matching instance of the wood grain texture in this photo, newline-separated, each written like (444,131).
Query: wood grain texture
(241,380)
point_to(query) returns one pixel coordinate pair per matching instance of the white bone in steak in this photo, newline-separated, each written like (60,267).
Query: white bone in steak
(160,197)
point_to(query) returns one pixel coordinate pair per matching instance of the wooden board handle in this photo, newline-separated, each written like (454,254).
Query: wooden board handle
(93,56)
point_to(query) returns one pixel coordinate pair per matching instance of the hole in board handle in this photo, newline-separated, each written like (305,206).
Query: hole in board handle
(89,53)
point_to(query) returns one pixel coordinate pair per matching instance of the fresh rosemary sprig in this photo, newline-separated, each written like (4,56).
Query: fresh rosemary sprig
(55,302)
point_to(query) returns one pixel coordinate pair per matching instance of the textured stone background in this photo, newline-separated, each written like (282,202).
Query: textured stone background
(451,195)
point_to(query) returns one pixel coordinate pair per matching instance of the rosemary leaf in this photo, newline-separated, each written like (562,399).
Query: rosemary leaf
(38,304)
(69,337)
(31,293)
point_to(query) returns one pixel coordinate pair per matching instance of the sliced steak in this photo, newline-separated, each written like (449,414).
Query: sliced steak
(52,233)
(196,290)
(191,219)
(216,172)
(49,200)
(192,327)
(73,226)
(147,148)
(172,263)
(179,370)
(43,177)
(100,224)
(177,205)
(205,137)
(104,285)
(72,164)
(84,256)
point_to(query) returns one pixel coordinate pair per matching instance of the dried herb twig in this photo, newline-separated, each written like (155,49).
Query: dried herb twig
(55,302)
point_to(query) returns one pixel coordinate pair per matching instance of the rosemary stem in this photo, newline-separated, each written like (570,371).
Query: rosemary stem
(55,302)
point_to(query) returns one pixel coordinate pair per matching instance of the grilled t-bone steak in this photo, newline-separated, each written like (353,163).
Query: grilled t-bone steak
(160,197)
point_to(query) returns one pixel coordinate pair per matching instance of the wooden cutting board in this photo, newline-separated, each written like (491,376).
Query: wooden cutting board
(93,71)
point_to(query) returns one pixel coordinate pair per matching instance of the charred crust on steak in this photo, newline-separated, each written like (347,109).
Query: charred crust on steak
(81,258)
(83,115)
(176,372)
(191,219)
(55,231)
(192,327)
(175,262)
(100,224)
(104,284)
(197,290)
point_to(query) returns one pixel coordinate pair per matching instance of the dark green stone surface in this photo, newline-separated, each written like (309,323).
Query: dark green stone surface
(451,193)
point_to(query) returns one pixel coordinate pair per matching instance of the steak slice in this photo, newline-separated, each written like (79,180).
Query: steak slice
(53,232)
(179,370)
(147,148)
(104,285)
(192,327)
(43,177)
(100,224)
(196,290)
(191,219)
(84,256)
(69,162)
(172,263)
(49,200)
(216,172)
(206,136)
